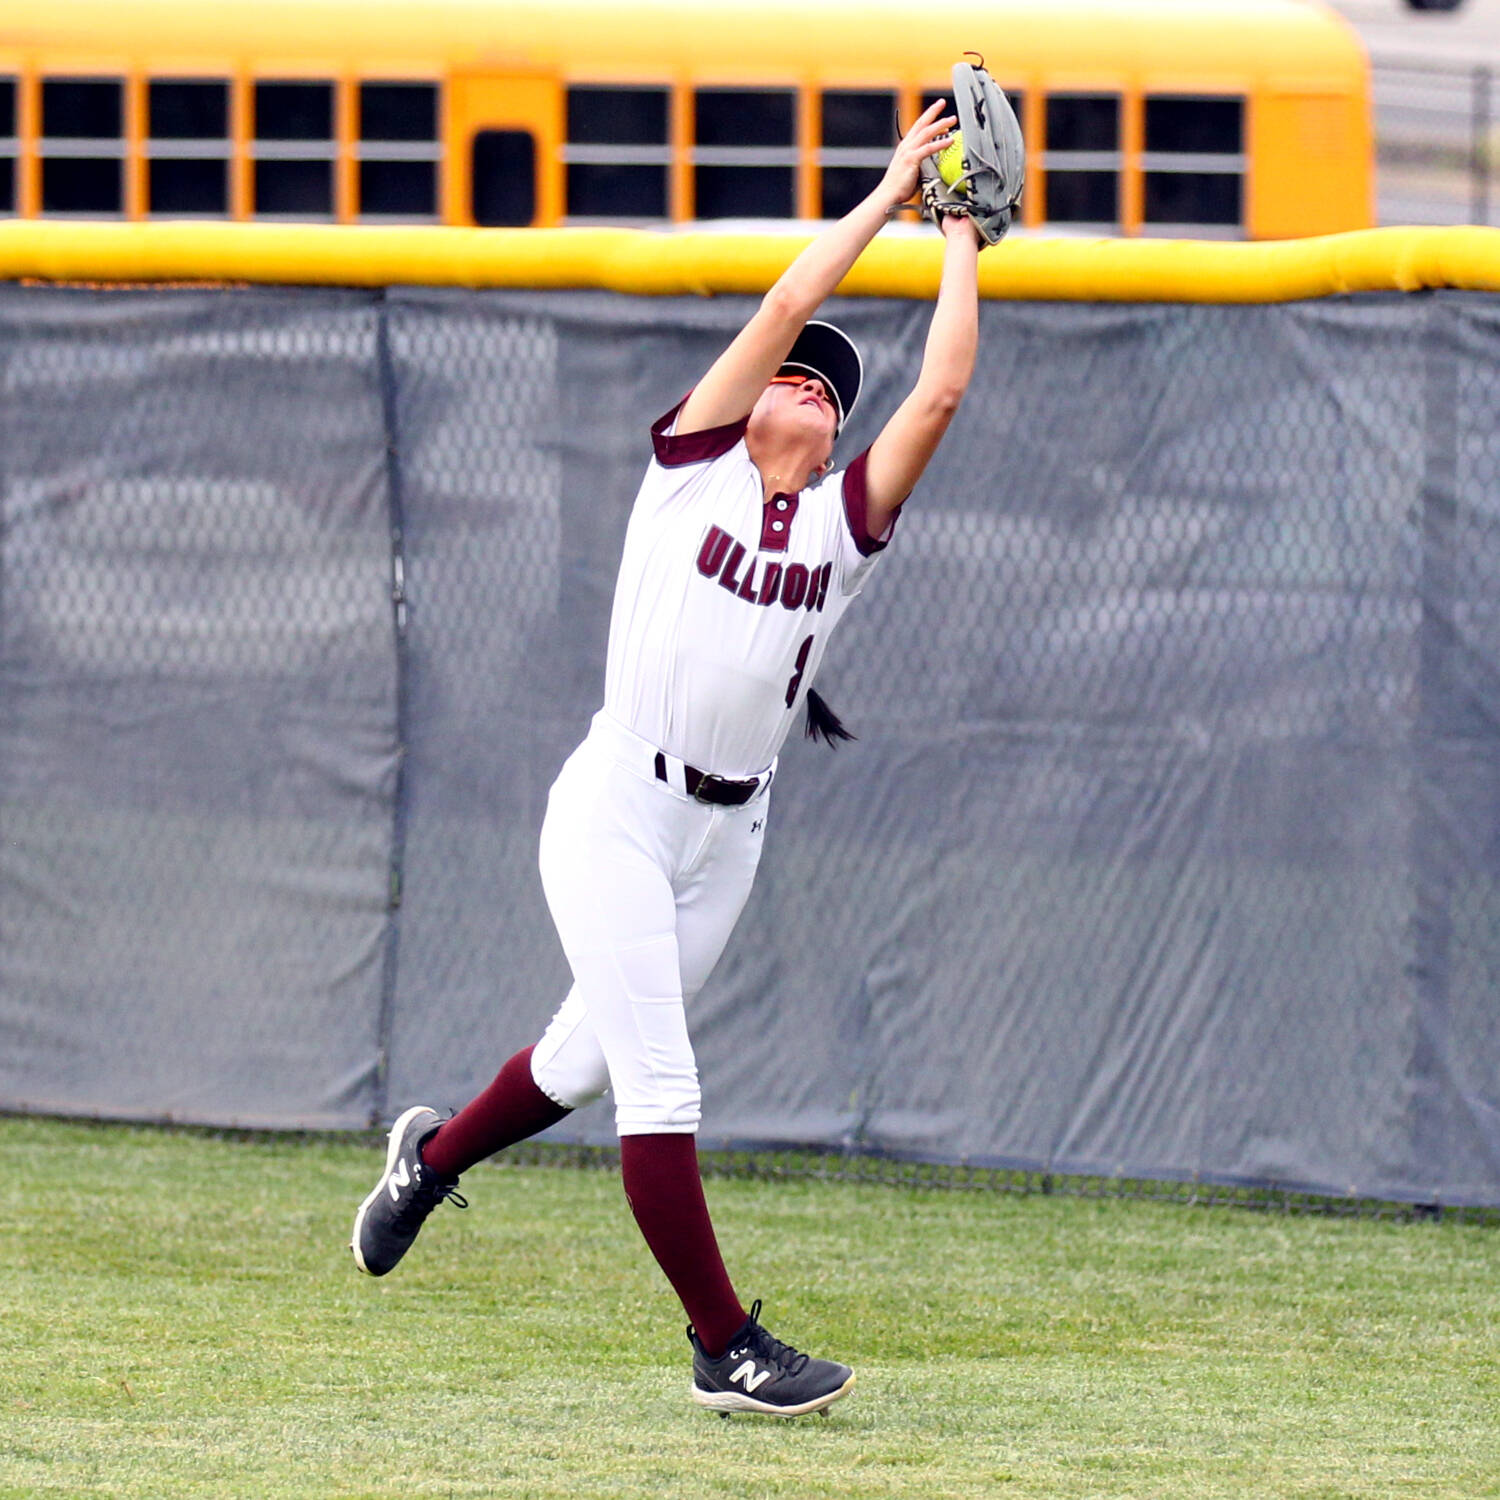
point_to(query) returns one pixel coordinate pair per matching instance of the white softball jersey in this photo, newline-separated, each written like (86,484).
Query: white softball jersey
(725,602)
(722,611)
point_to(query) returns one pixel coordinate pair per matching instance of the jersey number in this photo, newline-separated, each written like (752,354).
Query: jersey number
(800,666)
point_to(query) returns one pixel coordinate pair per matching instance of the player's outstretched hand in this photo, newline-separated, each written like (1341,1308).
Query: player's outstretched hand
(926,138)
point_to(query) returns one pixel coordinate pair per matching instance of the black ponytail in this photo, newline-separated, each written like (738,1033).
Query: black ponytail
(823,723)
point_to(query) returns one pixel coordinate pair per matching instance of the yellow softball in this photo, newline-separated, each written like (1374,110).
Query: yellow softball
(950,162)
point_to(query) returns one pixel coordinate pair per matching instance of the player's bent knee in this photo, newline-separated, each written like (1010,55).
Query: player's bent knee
(570,1095)
(569,1075)
(571,1090)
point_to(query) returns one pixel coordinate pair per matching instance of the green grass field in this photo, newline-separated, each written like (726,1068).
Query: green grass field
(181,1317)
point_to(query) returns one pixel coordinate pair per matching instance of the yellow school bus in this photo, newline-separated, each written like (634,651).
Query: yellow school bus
(1224,118)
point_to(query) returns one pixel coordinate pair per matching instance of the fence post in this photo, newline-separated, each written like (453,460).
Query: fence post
(1438,707)
(386,374)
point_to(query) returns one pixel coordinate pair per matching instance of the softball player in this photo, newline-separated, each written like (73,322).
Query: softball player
(742,553)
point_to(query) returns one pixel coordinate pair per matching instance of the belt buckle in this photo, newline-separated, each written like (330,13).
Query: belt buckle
(723,783)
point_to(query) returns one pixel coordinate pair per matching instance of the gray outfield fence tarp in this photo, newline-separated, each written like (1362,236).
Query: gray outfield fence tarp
(1169,847)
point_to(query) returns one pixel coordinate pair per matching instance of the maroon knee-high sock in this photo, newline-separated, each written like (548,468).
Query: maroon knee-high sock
(509,1110)
(665,1193)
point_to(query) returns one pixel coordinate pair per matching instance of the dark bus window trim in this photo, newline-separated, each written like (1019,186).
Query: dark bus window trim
(1082,161)
(293,150)
(853,156)
(179,150)
(397,151)
(616,156)
(81,148)
(1195,161)
(747,156)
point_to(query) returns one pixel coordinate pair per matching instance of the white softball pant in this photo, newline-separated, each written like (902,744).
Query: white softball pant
(645,884)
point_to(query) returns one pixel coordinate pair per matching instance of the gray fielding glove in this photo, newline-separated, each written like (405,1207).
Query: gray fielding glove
(988,176)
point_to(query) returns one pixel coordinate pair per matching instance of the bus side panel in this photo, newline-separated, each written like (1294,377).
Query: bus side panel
(477,103)
(1311,168)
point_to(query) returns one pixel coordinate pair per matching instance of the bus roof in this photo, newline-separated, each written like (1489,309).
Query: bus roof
(1154,42)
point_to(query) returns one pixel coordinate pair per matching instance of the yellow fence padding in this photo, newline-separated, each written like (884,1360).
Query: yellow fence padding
(651,263)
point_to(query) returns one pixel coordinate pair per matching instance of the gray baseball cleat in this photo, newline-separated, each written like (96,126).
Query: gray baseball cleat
(390,1218)
(760,1373)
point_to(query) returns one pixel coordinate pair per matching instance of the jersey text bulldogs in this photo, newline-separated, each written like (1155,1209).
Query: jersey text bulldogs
(793,586)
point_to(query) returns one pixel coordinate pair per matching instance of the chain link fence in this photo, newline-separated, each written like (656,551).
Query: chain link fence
(1167,851)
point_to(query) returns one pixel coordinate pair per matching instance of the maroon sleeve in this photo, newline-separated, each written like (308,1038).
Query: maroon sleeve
(857,510)
(673,449)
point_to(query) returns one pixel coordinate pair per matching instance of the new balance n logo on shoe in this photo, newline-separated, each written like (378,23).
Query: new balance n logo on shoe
(400,1178)
(749,1377)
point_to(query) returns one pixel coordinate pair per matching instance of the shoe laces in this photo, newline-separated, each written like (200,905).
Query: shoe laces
(771,1349)
(427,1192)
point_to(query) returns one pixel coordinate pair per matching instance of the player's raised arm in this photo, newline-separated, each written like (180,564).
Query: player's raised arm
(736,379)
(900,454)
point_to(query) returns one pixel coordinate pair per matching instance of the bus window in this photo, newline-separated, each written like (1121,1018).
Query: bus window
(294,150)
(1178,122)
(617,153)
(1194,163)
(82,147)
(1193,200)
(1082,159)
(398,150)
(858,128)
(398,112)
(187,146)
(745,159)
(7,145)
(504,178)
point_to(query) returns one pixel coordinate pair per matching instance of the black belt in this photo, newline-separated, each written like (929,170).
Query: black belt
(719,790)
